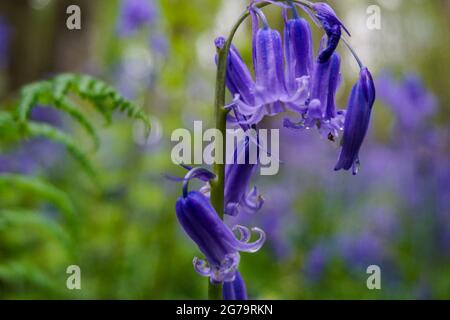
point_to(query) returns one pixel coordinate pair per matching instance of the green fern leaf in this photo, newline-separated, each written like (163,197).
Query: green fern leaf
(35,129)
(26,218)
(32,185)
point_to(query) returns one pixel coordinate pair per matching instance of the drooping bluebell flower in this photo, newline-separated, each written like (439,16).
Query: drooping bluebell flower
(357,120)
(212,236)
(134,14)
(237,180)
(332,26)
(268,94)
(298,50)
(321,108)
(408,98)
(238,78)
(5,32)
(235,290)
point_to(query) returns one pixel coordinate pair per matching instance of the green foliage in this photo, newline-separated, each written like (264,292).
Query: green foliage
(55,93)
(44,190)
(23,218)
(65,93)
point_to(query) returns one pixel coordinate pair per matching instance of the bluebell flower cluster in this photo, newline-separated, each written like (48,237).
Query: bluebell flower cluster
(286,77)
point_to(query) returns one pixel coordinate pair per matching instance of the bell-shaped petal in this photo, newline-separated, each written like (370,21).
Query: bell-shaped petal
(357,121)
(237,179)
(332,26)
(238,78)
(214,239)
(268,64)
(271,96)
(298,51)
(235,290)
(325,82)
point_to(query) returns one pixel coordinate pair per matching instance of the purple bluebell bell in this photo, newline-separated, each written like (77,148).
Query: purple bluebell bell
(333,28)
(134,14)
(269,93)
(357,120)
(235,290)
(238,78)
(5,32)
(298,50)
(212,236)
(321,108)
(237,180)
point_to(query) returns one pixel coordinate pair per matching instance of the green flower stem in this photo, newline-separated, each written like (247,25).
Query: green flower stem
(218,184)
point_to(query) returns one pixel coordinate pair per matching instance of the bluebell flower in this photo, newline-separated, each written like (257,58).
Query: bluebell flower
(134,14)
(238,78)
(357,120)
(235,290)
(321,110)
(333,28)
(298,51)
(269,93)
(212,236)
(237,181)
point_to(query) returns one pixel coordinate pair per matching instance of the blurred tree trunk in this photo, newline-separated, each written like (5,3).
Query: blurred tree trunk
(41,45)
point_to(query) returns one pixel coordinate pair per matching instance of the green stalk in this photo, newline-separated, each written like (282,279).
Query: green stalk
(218,184)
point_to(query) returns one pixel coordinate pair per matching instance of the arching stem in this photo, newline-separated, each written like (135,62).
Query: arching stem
(218,184)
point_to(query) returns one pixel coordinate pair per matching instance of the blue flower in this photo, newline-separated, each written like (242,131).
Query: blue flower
(321,108)
(332,26)
(272,90)
(235,290)
(357,120)
(238,78)
(298,51)
(212,236)
(237,180)
(134,14)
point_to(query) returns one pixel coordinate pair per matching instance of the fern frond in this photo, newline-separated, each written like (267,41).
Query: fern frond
(32,185)
(6,119)
(23,273)
(69,107)
(44,93)
(35,129)
(28,218)
(103,96)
